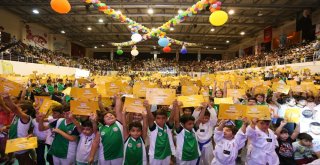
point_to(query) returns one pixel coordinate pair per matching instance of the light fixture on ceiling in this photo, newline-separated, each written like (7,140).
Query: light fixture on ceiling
(212,29)
(150,11)
(242,33)
(171,29)
(227,41)
(62,31)
(180,11)
(95,47)
(214,48)
(119,12)
(100,20)
(89,28)
(207,47)
(35,11)
(231,12)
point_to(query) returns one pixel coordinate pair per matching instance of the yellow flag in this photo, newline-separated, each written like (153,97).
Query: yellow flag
(20,144)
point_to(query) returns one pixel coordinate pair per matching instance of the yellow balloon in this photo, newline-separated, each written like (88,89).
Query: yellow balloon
(218,18)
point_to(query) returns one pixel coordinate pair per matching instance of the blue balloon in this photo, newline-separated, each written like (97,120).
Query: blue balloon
(183,51)
(163,42)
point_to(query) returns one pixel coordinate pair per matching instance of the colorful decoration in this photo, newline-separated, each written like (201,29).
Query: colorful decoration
(60,6)
(136,37)
(160,32)
(119,52)
(163,42)
(166,49)
(134,51)
(218,18)
(183,50)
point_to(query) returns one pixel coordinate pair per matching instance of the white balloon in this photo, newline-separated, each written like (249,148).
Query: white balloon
(134,52)
(136,37)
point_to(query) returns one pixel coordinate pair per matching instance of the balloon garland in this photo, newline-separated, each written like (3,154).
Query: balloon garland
(217,18)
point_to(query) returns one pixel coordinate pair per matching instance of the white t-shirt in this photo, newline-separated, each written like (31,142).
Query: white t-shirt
(84,148)
(41,135)
(50,136)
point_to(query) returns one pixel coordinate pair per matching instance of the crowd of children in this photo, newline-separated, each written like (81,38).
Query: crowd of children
(161,135)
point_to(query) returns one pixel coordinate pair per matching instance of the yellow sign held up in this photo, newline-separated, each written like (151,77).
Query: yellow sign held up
(8,86)
(292,115)
(191,101)
(20,144)
(189,90)
(133,105)
(235,93)
(238,111)
(84,108)
(84,93)
(160,96)
(226,100)
(282,88)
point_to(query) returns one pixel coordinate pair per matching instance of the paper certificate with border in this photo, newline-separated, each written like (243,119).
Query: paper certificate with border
(160,96)
(8,86)
(133,105)
(189,90)
(231,111)
(292,115)
(84,108)
(260,112)
(20,144)
(84,93)
(282,88)
(113,88)
(139,88)
(191,101)
(235,93)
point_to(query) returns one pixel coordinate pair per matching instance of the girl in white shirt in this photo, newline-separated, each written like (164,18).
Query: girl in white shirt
(228,143)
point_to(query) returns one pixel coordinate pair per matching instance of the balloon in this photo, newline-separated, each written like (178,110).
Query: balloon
(166,49)
(134,52)
(136,37)
(183,51)
(60,6)
(218,3)
(163,42)
(119,52)
(218,18)
(214,6)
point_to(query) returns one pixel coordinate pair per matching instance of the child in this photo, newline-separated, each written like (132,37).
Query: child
(134,147)
(161,142)
(42,136)
(109,139)
(187,152)
(204,134)
(88,132)
(303,152)
(64,145)
(261,150)
(285,149)
(228,143)
(21,124)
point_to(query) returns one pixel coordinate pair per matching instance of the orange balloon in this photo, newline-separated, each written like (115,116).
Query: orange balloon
(60,6)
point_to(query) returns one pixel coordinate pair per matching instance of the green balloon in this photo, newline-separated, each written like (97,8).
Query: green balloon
(119,52)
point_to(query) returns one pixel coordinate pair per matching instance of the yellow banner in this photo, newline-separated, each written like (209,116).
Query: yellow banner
(8,86)
(84,93)
(160,96)
(226,100)
(235,93)
(292,115)
(133,105)
(189,90)
(260,112)
(231,111)
(282,88)
(191,101)
(20,144)
(84,108)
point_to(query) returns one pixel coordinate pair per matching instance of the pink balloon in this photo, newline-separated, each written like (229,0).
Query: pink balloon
(218,3)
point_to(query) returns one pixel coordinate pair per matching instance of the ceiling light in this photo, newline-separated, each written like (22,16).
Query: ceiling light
(231,12)
(171,29)
(62,31)
(35,11)
(119,12)
(180,11)
(242,33)
(212,29)
(150,11)
(130,26)
(101,20)
(154,47)
(227,41)
(89,28)
(102,45)
(95,47)
(207,47)
(214,48)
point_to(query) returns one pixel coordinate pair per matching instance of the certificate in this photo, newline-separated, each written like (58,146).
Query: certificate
(133,105)
(84,108)
(160,96)
(191,101)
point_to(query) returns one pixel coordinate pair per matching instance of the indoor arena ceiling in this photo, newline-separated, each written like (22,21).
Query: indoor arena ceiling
(251,16)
